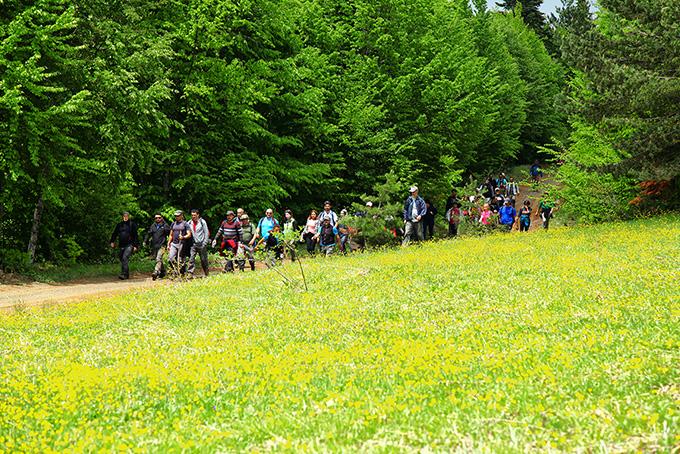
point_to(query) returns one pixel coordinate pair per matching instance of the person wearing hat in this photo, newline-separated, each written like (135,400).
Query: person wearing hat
(328,213)
(125,233)
(507,214)
(414,210)
(498,200)
(246,245)
(232,235)
(157,238)
(179,233)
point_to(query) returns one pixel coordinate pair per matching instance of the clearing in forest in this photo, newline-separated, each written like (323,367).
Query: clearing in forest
(567,338)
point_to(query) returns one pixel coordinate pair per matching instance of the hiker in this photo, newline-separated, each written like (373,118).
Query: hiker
(343,231)
(498,200)
(179,234)
(487,189)
(485,215)
(451,201)
(545,209)
(231,234)
(507,215)
(309,232)
(272,245)
(268,227)
(328,237)
(157,238)
(125,233)
(201,236)
(328,213)
(265,225)
(246,245)
(536,172)
(525,216)
(290,230)
(512,190)
(453,218)
(502,182)
(414,210)
(428,220)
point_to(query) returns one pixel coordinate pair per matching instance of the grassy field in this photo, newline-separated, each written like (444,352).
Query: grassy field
(563,339)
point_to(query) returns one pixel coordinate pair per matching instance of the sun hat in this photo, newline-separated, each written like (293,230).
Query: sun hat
(413,189)
(179,213)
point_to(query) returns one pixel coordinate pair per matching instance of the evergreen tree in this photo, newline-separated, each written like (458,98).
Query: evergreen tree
(630,83)
(530,12)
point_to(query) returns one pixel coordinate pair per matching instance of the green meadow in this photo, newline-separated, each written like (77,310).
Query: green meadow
(567,339)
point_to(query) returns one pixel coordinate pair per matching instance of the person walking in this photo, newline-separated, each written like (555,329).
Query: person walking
(507,215)
(498,200)
(201,235)
(290,233)
(485,217)
(246,246)
(545,210)
(453,216)
(328,237)
(157,238)
(536,172)
(344,233)
(125,233)
(309,232)
(451,201)
(428,220)
(414,210)
(525,216)
(328,213)
(267,228)
(179,233)
(231,234)
(512,190)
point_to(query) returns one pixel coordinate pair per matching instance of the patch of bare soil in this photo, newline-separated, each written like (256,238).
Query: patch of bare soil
(41,294)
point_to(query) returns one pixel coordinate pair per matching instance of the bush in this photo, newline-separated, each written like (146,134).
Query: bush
(14,261)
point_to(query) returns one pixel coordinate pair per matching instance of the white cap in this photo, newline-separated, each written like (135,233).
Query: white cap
(413,189)
(369,204)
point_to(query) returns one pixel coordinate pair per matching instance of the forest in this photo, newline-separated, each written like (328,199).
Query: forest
(149,106)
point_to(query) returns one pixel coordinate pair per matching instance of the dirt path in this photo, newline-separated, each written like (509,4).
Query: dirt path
(41,294)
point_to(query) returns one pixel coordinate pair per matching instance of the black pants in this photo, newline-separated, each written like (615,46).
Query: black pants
(453,229)
(124,257)
(428,231)
(310,241)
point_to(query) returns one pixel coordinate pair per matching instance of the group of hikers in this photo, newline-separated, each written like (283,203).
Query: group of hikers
(237,239)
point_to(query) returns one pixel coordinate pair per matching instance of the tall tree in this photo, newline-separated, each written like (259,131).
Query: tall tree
(530,10)
(44,107)
(632,80)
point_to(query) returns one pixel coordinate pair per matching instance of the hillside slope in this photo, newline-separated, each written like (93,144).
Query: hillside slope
(566,339)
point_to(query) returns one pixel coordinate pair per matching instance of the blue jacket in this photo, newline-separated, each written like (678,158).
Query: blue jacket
(408,207)
(507,215)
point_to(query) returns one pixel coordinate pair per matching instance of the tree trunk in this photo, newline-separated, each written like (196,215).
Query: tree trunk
(37,216)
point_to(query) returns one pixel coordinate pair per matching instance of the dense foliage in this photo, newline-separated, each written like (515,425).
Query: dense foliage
(624,94)
(106,105)
(156,105)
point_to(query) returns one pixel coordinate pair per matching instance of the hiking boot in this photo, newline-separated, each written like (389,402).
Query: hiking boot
(122,277)
(154,275)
